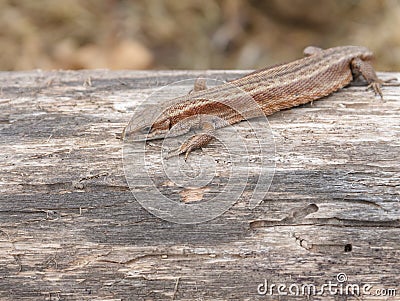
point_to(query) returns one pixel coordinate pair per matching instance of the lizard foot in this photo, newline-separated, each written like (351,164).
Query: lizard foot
(194,142)
(377,85)
(199,85)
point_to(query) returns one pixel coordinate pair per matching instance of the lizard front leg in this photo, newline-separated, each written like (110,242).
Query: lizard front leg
(311,50)
(199,140)
(196,141)
(363,68)
(199,85)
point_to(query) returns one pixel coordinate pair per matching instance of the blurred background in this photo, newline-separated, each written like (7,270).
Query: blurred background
(190,34)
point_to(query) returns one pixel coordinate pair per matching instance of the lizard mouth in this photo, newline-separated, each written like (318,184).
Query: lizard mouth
(142,133)
(131,133)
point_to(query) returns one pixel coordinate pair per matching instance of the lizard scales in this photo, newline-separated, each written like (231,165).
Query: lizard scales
(275,88)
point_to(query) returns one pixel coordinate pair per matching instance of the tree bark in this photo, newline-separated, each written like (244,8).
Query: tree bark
(71,229)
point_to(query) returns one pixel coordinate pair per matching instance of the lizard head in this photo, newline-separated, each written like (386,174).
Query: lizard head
(157,130)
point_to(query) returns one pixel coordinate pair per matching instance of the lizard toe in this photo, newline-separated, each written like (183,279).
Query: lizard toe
(376,86)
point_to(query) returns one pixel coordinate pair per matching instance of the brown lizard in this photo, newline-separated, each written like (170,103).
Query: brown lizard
(283,86)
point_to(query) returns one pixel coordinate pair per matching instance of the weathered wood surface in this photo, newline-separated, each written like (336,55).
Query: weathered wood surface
(70,228)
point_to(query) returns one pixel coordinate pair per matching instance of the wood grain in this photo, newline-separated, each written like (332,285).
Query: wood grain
(70,228)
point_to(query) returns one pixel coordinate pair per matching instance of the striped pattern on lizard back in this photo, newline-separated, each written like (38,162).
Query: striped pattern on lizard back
(274,88)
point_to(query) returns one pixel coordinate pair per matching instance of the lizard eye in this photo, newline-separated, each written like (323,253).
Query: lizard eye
(146,129)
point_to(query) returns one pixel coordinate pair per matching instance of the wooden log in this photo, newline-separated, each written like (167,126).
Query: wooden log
(71,229)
